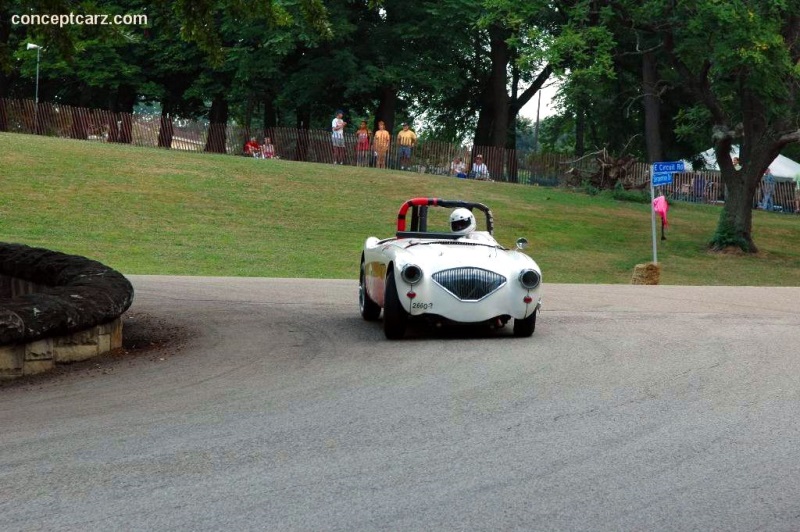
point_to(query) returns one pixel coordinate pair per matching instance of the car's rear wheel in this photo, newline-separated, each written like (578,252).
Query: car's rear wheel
(395,318)
(524,327)
(370,310)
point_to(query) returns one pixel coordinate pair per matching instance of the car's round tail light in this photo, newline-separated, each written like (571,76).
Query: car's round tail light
(411,273)
(529,279)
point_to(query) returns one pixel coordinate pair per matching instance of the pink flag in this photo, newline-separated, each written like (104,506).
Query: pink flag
(661,207)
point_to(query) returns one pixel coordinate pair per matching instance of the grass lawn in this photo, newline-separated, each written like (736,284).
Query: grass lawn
(148,211)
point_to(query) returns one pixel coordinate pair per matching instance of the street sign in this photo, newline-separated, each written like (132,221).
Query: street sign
(662,178)
(672,166)
(661,174)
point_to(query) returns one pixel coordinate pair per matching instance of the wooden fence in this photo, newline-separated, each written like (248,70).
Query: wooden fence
(429,156)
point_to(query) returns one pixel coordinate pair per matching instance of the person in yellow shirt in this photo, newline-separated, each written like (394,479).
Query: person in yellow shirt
(381,144)
(406,139)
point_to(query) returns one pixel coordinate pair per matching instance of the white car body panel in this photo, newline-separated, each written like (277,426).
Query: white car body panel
(436,255)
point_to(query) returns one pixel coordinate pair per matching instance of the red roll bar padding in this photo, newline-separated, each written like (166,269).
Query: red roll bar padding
(401,215)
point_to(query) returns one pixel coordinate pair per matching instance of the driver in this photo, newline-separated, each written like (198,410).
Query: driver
(462,223)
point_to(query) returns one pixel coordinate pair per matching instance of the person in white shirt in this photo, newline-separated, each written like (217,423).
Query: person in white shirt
(479,168)
(337,137)
(458,168)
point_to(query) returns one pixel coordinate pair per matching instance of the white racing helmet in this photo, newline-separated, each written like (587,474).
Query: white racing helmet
(462,221)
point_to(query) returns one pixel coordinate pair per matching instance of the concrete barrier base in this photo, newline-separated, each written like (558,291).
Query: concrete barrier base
(18,360)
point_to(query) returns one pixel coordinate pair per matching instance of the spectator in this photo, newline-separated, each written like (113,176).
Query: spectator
(712,192)
(797,201)
(479,169)
(458,168)
(767,189)
(267,149)
(698,188)
(362,145)
(381,143)
(407,139)
(337,137)
(251,148)
(736,164)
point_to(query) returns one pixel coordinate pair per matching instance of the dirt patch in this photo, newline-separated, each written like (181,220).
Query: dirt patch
(145,339)
(733,251)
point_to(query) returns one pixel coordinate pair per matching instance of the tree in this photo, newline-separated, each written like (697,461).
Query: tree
(517,37)
(727,73)
(740,62)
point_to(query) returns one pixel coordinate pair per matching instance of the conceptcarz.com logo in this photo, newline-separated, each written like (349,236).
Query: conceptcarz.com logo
(72,19)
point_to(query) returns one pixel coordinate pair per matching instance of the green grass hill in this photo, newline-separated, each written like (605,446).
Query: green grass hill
(150,211)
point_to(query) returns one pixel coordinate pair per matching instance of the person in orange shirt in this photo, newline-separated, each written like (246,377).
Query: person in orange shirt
(407,139)
(381,142)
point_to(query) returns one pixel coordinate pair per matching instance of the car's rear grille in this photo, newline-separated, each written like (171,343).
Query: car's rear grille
(469,284)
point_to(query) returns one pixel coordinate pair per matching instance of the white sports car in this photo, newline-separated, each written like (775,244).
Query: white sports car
(460,275)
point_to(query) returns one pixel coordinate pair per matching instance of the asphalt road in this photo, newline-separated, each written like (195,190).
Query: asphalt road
(267,404)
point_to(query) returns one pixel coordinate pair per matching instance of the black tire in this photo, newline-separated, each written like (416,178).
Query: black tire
(370,310)
(395,318)
(525,327)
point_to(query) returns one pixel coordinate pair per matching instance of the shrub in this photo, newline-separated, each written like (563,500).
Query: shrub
(636,196)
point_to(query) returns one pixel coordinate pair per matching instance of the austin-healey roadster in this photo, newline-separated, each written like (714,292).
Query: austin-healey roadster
(461,274)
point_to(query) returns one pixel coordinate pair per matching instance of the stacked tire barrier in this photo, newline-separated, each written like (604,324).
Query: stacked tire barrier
(56,308)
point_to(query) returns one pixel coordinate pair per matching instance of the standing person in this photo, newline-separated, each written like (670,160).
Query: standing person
(362,145)
(337,137)
(797,201)
(767,189)
(479,169)
(381,143)
(407,139)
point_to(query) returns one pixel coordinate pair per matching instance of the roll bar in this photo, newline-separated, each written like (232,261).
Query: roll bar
(419,213)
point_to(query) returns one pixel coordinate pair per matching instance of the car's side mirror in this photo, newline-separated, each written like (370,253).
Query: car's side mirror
(522,243)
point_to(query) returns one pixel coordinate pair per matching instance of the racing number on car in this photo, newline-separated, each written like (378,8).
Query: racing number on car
(421,305)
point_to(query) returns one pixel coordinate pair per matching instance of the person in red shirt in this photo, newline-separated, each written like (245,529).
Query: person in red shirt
(362,145)
(251,148)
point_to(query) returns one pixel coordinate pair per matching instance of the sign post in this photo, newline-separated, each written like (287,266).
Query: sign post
(660,174)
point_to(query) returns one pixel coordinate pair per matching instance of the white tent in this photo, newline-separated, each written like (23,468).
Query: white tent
(780,167)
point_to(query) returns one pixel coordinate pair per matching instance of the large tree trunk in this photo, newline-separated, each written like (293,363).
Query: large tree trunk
(652,108)
(493,118)
(387,107)
(249,109)
(735,225)
(492,127)
(580,133)
(270,112)
(734,228)
(303,117)
(218,125)
(123,115)
(165,127)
